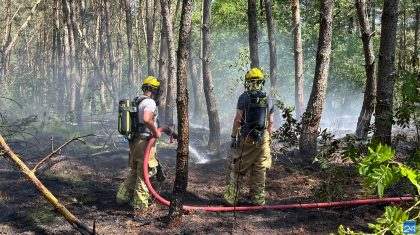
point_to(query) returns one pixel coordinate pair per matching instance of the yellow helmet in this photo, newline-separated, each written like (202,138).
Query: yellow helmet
(254,80)
(151,84)
(151,81)
(254,73)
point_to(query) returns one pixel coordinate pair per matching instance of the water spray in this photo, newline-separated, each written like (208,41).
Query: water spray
(169,131)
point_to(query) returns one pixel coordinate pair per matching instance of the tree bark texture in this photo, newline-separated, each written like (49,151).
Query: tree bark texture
(373,12)
(73,220)
(181,178)
(312,117)
(299,76)
(214,124)
(369,100)
(386,72)
(172,77)
(111,73)
(129,31)
(58,60)
(196,82)
(271,44)
(7,47)
(163,71)
(253,33)
(416,59)
(71,53)
(6,41)
(150,29)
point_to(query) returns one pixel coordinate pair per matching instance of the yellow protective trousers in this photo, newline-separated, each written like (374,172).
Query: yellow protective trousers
(250,155)
(134,186)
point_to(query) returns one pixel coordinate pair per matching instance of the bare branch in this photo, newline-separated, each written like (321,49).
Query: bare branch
(6,98)
(57,151)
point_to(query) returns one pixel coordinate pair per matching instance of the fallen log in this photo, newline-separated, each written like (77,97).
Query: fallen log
(73,220)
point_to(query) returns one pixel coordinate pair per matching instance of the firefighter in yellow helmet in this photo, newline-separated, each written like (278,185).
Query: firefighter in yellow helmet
(250,139)
(134,189)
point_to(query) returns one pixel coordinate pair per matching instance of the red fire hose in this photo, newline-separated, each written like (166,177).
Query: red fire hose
(168,130)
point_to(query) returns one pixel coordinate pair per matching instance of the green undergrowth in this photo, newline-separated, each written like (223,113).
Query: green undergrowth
(42,215)
(67,176)
(380,170)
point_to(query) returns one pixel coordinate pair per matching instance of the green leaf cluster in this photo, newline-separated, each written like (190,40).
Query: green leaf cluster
(390,222)
(380,170)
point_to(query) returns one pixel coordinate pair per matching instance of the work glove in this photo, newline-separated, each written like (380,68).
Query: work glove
(233,142)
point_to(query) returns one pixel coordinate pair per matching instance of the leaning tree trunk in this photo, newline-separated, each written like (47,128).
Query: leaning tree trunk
(299,76)
(8,46)
(271,45)
(170,97)
(370,90)
(30,174)
(312,117)
(181,178)
(386,72)
(253,33)
(214,124)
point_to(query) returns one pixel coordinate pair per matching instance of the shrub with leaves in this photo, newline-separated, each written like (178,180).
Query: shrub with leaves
(288,133)
(379,170)
(408,102)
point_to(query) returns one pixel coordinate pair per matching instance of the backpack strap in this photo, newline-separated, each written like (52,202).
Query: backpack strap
(138,127)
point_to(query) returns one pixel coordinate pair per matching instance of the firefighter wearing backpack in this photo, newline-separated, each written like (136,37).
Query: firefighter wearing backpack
(144,124)
(250,139)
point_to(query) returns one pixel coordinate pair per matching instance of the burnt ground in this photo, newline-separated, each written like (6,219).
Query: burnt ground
(85,178)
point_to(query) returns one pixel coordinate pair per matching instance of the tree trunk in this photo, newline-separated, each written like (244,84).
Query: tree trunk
(170,97)
(163,71)
(58,60)
(6,41)
(6,49)
(369,100)
(101,59)
(416,59)
(312,117)
(181,178)
(373,9)
(253,33)
(299,76)
(150,28)
(271,44)
(214,124)
(81,83)
(129,30)
(72,73)
(386,72)
(111,60)
(196,82)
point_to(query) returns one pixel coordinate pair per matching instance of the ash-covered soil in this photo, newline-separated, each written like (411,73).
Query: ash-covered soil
(85,178)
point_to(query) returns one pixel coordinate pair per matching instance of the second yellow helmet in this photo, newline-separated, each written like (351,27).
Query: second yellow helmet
(254,73)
